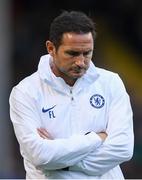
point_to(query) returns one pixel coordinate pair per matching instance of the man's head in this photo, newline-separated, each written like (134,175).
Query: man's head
(76,22)
(71,44)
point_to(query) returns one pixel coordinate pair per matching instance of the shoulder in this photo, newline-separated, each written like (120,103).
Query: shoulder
(105,73)
(107,76)
(28,86)
(111,80)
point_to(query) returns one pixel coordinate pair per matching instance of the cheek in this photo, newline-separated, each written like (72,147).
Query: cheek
(64,63)
(67,62)
(68,65)
(87,61)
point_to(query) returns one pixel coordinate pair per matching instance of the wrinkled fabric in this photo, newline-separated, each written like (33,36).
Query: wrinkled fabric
(98,102)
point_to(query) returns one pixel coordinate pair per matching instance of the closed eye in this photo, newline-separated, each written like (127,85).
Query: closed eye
(73,53)
(76,53)
(87,53)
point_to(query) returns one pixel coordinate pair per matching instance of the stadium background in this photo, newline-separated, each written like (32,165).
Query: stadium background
(24,27)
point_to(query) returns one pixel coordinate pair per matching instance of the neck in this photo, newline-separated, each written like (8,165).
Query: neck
(69,81)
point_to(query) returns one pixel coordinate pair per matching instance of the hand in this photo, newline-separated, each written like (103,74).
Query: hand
(44,134)
(102,135)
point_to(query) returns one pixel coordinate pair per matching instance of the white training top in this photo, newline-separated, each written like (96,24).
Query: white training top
(97,102)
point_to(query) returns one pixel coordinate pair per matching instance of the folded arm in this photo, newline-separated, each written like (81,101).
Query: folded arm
(54,154)
(118,146)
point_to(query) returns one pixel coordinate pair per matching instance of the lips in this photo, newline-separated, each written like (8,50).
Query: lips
(79,69)
(78,72)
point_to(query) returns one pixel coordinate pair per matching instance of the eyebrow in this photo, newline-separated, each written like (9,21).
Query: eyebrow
(76,53)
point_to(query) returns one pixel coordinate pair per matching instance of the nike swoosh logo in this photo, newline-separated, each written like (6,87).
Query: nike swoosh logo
(46,110)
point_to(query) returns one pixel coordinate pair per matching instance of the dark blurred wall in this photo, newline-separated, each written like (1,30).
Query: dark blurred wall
(6,143)
(117,47)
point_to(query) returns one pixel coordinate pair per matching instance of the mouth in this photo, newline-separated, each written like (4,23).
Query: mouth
(78,72)
(79,69)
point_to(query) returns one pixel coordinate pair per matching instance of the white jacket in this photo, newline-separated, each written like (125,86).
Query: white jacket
(97,102)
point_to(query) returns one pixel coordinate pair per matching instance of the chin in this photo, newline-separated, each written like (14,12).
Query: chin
(77,76)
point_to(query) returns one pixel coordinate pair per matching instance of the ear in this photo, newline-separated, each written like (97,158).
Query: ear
(50,47)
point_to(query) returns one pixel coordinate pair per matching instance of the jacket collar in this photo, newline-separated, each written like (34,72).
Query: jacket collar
(58,83)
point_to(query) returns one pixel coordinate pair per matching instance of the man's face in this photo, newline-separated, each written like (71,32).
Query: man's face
(73,56)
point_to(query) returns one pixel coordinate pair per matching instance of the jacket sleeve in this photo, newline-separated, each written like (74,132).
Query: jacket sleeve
(118,146)
(53,154)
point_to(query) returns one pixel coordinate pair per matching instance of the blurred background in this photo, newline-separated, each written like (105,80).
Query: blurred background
(24,27)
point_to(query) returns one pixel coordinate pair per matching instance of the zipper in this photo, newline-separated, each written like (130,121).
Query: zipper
(71,93)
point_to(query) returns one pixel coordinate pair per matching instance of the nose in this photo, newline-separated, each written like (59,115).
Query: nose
(80,60)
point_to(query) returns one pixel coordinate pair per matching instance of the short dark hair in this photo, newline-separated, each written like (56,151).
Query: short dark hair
(73,21)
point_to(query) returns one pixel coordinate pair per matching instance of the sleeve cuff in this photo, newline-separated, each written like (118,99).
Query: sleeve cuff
(92,136)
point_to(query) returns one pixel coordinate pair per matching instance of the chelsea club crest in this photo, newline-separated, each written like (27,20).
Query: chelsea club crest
(97,101)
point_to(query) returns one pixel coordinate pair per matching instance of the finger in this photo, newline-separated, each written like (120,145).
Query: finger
(43,131)
(46,133)
(42,135)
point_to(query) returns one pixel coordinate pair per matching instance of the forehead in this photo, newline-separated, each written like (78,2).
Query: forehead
(77,41)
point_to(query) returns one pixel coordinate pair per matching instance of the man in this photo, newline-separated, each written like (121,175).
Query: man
(72,119)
